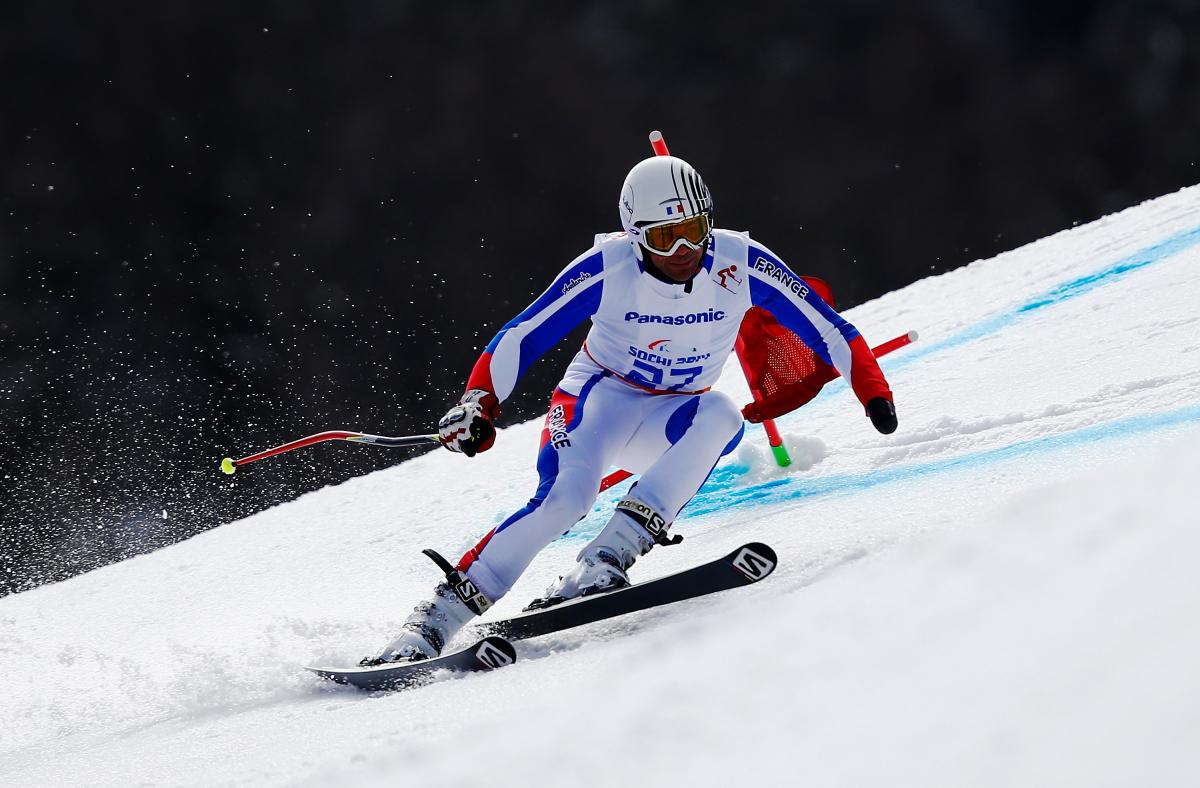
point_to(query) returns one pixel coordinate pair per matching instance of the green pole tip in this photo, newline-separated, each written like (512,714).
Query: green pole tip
(227,465)
(781,456)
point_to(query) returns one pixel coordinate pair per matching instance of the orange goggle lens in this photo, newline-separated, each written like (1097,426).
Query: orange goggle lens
(662,237)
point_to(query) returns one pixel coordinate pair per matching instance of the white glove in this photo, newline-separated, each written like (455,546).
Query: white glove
(468,426)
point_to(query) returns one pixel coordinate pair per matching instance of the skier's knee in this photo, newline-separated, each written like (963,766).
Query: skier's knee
(721,413)
(570,499)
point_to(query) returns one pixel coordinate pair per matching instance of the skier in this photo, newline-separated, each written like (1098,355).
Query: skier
(666,298)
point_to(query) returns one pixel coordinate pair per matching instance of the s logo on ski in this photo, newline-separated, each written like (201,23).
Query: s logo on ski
(491,656)
(752,565)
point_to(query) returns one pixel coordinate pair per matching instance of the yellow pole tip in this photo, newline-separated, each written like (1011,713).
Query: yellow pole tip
(227,465)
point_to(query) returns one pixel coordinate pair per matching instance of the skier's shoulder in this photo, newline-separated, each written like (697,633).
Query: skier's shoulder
(731,236)
(611,240)
(596,263)
(743,243)
(590,261)
(761,263)
(616,250)
(615,246)
(735,244)
(736,247)
(757,255)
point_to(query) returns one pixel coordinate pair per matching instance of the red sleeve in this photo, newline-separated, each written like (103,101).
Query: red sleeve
(481,374)
(866,377)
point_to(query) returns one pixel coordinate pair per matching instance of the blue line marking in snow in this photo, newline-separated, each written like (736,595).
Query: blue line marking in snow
(1064,292)
(713,499)
(721,493)
(1148,256)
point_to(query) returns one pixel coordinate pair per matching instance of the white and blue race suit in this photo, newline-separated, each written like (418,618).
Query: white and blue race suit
(637,395)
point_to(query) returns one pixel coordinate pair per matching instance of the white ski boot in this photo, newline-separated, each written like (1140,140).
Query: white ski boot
(432,624)
(603,565)
(427,631)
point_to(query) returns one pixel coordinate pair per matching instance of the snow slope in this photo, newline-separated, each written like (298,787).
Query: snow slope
(1004,592)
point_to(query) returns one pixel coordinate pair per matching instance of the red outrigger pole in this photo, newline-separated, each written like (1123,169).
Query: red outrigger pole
(229,465)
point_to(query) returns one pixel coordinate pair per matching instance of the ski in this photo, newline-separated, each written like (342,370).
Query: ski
(487,654)
(747,564)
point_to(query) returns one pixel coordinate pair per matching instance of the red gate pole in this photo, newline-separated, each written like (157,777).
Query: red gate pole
(773,437)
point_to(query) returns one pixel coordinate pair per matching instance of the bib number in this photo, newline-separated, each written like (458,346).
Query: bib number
(652,377)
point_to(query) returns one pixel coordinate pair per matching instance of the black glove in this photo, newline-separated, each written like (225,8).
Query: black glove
(467,427)
(883,415)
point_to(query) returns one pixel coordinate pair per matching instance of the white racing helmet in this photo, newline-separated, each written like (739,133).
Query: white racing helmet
(665,205)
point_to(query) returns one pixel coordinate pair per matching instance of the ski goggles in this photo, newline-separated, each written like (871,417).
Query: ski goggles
(665,239)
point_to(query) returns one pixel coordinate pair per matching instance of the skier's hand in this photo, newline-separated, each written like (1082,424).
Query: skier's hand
(468,427)
(883,415)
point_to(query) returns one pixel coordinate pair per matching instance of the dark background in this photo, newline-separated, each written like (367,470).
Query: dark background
(227,226)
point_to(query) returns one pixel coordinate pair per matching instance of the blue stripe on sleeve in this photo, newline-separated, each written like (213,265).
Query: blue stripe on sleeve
(771,288)
(573,276)
(764,294)
(551,332)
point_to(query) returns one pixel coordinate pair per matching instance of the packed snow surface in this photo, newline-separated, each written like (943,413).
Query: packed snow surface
(1004,592)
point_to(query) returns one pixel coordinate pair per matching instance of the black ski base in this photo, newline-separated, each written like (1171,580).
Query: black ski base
(747,564)
(487,654)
